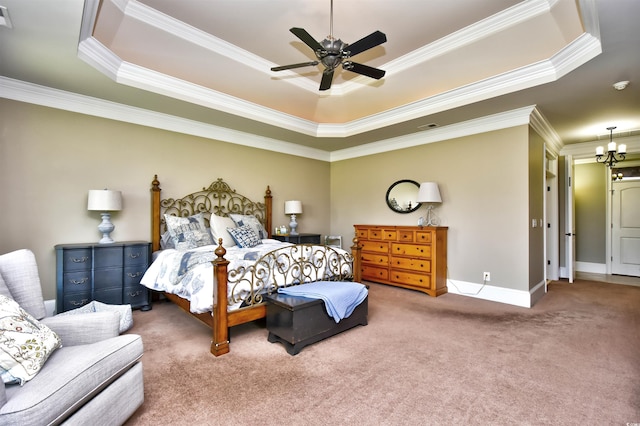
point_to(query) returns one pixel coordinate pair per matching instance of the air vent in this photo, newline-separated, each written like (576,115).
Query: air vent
(4,18)
(427,126)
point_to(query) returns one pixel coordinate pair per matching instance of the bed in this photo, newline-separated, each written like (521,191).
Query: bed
(221,284)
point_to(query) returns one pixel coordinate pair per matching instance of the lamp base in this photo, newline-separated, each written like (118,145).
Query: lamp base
(293,225)
(106,228)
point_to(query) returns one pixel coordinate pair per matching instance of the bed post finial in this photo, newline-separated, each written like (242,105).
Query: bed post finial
(220,341)
(357,258)
(155,214)
(268,211)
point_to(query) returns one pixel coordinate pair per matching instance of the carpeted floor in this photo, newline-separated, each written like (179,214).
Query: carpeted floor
(572,359)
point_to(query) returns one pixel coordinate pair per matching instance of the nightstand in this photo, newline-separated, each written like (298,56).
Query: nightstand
(108,273)
(298,239)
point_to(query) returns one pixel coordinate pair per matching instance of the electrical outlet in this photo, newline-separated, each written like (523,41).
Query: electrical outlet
(486,276)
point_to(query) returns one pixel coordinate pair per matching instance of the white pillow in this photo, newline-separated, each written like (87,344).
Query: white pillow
(219,227)
(25,343)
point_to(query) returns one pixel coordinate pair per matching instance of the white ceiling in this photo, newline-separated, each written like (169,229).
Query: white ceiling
(445,62)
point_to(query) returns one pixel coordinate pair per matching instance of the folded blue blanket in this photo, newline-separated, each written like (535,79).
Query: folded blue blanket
(340,297)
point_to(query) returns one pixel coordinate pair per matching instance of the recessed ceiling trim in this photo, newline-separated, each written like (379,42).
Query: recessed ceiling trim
(510,17)
(576,53)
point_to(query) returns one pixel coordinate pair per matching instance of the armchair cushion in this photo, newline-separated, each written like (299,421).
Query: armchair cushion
(84,328)
(126,317)
(25,343)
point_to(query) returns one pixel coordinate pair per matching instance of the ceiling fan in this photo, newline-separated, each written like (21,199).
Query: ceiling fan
(332,52)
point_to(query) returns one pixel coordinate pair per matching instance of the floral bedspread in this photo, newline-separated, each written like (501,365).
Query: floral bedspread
(189,274)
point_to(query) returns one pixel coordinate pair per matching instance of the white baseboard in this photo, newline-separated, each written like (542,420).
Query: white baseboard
(594,268)
(495,294)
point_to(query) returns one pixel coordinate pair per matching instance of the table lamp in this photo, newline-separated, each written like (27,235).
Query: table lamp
(105,201)
(293,208)
(429,194)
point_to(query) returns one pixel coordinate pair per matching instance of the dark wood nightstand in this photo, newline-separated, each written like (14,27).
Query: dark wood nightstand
(108,273)
(298,239)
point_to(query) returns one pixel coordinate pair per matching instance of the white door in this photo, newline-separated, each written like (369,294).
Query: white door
(569,220)
(625,228)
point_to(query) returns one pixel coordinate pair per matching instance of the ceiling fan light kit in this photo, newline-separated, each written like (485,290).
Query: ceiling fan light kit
(332,52)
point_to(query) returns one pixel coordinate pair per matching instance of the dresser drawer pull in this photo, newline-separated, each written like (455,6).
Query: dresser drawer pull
(80,259)
(82,281)
(135,255)
(80,303)
(135,293)
(136,275)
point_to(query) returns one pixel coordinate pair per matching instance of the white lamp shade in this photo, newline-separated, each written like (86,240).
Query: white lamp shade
(104,200)
(429,193)
(292,207)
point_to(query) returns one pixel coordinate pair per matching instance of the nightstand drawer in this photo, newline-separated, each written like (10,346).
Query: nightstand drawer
(77,259)
(107,257)
(133,275)
(136,255)
(75,282)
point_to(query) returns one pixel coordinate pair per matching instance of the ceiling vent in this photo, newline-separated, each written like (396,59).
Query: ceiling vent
(4,18)
(427,126)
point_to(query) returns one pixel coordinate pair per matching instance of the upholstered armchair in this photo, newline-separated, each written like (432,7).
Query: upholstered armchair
(93,377)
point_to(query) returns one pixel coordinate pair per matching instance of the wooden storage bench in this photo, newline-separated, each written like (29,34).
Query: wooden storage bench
(298,321)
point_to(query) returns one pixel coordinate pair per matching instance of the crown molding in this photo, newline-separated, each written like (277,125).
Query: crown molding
(517,117)
(45,96)
(40,95)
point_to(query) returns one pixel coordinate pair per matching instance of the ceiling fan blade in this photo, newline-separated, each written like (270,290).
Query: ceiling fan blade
(303,35)
(300,65)
(372,40)
(327,78)
(364,70)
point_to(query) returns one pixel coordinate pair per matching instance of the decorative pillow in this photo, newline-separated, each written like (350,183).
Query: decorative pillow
(166,241)
(219,227)
(244,236)
(253,222)
(25,343)
(188,232)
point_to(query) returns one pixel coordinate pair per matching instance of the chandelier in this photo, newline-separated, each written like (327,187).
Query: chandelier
(613,156)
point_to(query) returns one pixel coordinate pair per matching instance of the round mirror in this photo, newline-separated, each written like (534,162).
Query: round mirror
(402,195)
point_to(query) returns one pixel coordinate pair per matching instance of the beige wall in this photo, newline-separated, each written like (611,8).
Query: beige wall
(590,198)
(537,193)
(50,158)
(485,200)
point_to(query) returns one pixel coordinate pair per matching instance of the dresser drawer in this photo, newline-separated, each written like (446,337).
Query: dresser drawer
(408,278)
(420,265)
(76,259)
(383,234)
(107,278)
(376,247)
(373,273)
(133,274)
(411,250)
(112,296)
(423,236)
(405,236)
(76,300)
(135,295)
(136,255)
(375,259)
(76,282)
(107,257)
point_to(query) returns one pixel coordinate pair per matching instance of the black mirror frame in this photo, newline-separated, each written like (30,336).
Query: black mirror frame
(413,208)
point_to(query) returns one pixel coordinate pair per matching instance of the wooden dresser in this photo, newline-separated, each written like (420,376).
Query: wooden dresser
(405,256)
